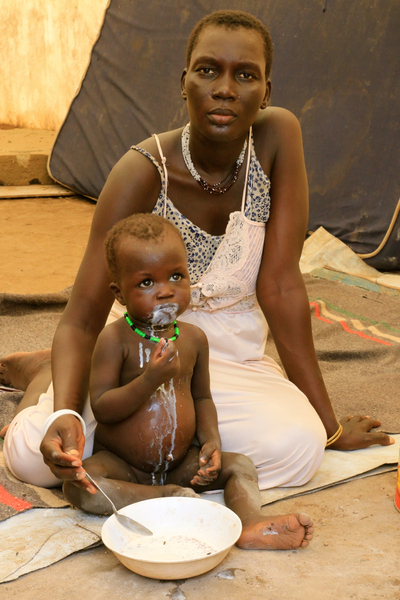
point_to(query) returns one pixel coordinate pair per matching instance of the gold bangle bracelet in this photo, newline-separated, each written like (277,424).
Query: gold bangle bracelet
(335,436)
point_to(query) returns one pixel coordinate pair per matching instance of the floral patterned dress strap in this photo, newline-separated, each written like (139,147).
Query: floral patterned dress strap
(246,179)
(164,166)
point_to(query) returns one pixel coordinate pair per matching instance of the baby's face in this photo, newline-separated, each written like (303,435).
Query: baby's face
(154,280)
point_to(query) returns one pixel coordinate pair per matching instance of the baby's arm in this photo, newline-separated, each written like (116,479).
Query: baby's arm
(111,402)
(206,417)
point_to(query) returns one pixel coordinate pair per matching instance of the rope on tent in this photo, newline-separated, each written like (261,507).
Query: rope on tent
(387,235)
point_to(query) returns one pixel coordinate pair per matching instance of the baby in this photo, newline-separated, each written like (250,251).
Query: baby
(150,394)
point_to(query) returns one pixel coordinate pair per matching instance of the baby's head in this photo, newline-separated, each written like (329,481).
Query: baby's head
(146,257)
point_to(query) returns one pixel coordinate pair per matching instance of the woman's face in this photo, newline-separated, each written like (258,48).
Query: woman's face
(225,83)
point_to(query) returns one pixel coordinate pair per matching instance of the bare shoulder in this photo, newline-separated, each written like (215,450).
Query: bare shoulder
(113,335)
(274,125)
(275,118)
(135,179)
(169,141)
(194,333)
(276,131)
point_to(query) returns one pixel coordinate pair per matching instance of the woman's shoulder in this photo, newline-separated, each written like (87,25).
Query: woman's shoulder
(274,119)
(273,130)
(137,174)
(168,140)
(148,148)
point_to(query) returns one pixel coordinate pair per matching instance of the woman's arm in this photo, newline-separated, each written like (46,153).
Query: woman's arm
(133,186)
(280,288)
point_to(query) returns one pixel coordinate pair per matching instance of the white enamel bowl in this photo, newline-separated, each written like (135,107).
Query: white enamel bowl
(191,536)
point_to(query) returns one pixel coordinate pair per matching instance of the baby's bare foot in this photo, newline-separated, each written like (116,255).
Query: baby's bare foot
(176,490)
(18,370)
(280,532)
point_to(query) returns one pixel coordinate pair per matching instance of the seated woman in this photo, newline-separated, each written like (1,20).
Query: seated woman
(234,183)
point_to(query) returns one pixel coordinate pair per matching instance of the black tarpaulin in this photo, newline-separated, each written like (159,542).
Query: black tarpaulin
(338,71)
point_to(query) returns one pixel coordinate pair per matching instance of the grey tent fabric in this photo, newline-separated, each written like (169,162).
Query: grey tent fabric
(336,67)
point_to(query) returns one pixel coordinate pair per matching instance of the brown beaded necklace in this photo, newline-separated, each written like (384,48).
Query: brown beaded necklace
(216,188)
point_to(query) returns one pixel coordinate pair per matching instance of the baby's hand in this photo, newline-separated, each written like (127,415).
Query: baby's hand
(164,363)
(210,464)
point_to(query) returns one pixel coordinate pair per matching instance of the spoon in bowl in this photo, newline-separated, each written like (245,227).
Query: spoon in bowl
(123,520)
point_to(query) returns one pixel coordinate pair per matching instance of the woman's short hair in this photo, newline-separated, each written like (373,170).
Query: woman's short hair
(232,19)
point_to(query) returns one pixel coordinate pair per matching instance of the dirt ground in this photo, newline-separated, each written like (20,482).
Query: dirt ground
(355,552)
(354,555)
(44,240)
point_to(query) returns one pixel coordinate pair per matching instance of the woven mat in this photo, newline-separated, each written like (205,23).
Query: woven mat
(17,497)
(357,338)
(27,323)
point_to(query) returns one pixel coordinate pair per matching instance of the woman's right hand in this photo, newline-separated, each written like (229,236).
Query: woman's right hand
(62,449)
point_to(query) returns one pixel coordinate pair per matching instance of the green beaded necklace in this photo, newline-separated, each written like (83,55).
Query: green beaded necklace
(146,336)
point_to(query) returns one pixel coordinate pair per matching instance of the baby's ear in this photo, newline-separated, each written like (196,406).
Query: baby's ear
(114,287)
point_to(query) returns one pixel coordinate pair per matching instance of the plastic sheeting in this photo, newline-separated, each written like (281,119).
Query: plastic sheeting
(323,251)
(337,70)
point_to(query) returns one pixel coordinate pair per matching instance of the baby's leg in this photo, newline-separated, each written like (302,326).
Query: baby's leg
(183,474)
(278,532)
(119,481)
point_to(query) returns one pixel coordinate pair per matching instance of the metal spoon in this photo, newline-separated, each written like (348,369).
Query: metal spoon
(125,521)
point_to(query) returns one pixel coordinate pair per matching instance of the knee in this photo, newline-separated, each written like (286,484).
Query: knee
(79,497)
(25,460)
(238,465)
(301,439)
(313,438)
(72,494)
(45,366)
(305,453)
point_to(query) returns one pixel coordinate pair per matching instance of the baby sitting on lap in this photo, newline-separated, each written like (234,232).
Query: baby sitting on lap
(150,393)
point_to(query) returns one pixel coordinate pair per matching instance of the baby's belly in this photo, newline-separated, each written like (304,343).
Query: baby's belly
(157,437)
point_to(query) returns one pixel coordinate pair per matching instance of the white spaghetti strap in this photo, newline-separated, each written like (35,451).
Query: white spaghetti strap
(246,181)
(163,162)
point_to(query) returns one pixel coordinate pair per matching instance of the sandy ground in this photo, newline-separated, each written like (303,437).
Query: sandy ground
(355,553)
(44,240)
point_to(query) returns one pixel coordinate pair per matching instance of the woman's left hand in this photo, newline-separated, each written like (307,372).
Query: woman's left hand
(357,433)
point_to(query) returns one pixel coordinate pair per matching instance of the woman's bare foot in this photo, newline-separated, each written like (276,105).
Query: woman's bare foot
(281,532)
(3,431)
(19,369)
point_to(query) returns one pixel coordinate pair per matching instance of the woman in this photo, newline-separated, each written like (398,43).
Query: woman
(219,171)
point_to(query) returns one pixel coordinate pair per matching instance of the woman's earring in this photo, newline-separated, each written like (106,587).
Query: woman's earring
(183,94)
(264,104)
